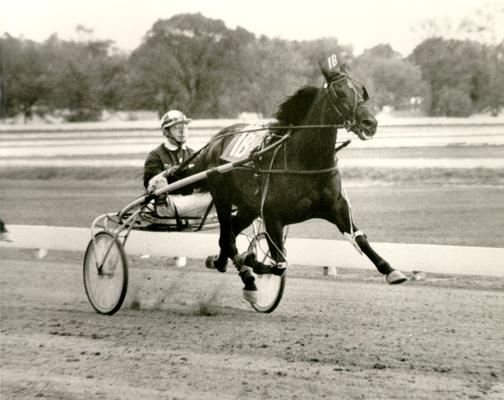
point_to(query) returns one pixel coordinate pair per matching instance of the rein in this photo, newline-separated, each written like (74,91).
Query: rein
(262,128)
(296,172)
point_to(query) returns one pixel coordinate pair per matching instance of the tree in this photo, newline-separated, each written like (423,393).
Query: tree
(188,62)
(199,65)
(277,71)
(453,64)
(482,27)
(473,53)
(390,79)
(24,76)
(182,62)
(454,102)
(85,77)
(495,62)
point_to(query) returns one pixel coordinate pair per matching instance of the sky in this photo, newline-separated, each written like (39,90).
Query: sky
(360,23)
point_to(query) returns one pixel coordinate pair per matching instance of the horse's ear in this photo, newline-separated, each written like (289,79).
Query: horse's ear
(365,94)
(344,69)
(324,70)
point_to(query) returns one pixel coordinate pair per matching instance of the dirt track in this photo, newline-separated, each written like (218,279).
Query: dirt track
(193,337)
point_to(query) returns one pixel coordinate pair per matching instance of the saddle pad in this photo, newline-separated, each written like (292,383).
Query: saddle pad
(243,143)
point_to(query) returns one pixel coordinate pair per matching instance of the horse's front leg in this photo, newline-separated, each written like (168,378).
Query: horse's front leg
(341,216)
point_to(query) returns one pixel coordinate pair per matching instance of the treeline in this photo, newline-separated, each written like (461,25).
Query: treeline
(198,65)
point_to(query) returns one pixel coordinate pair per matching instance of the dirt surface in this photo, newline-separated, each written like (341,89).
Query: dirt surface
(186,333)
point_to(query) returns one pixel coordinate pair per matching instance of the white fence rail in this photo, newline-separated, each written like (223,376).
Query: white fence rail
(141,137)
(311,252)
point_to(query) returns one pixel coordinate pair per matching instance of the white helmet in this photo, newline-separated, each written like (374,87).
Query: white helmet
(173,117)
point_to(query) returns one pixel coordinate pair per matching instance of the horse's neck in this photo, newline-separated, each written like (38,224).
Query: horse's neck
(313,148)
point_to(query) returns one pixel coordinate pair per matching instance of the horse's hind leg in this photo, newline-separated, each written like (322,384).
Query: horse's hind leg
(244,218)
(275,237)
(245,263)
(341,216)
(227,240)
(230,228)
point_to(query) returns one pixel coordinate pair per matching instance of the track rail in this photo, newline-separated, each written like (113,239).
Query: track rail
(467,260)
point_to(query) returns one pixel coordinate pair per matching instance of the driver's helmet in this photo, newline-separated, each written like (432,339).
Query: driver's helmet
(173,117)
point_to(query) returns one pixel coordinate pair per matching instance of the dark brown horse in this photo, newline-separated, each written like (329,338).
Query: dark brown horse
(310,184)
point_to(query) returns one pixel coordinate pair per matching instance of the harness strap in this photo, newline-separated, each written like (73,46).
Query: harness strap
(288,172)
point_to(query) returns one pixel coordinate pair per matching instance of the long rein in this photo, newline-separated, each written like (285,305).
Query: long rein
(285,171)
(275,147)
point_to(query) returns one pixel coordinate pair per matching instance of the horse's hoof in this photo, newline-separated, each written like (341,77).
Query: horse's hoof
(396,277)
(250,296)
(210,263)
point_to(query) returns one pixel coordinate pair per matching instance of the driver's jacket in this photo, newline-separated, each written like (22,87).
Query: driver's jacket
(161,157)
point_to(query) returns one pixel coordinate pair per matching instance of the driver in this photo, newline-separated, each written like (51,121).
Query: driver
(163,161)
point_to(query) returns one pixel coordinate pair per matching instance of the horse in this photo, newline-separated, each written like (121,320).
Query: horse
(296,182)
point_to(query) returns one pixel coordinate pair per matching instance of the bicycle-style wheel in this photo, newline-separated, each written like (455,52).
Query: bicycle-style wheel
(270,283)
(105,273)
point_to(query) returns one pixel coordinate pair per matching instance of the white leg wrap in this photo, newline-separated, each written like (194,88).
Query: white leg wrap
(351,239)
(245,268)
(282,265)
(358,233)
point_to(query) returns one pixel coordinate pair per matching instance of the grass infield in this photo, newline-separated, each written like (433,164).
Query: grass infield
(371,176)
(452,207)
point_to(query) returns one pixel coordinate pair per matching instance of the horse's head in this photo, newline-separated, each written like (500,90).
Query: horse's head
(348,99)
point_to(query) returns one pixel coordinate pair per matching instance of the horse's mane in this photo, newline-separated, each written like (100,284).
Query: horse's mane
(295,108)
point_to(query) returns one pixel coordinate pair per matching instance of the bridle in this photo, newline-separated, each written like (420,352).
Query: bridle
(350,124)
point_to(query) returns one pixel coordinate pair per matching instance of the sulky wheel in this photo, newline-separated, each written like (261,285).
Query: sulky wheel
(105,273)
(270,284)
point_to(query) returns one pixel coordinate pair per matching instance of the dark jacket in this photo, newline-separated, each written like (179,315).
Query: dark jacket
(157,158)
